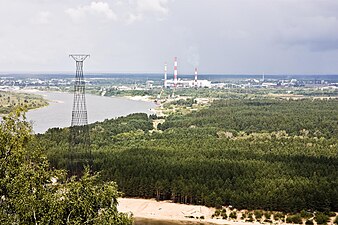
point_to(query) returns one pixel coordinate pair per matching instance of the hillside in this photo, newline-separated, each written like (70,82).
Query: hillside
(254,154)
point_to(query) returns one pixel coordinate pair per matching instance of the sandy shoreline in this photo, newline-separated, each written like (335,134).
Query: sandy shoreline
(168,211)
(164,210)
(145,98)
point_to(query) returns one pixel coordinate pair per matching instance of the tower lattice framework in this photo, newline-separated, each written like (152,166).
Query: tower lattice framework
(79,112)
(80,153)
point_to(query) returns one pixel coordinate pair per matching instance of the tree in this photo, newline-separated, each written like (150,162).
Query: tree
(32,193)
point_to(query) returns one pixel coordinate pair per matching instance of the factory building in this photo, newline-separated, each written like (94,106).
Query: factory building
(176,82)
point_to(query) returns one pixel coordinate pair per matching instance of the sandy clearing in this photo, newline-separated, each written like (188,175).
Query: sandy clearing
(166,210)
(181,213)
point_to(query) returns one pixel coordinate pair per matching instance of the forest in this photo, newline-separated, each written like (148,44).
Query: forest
(249,153)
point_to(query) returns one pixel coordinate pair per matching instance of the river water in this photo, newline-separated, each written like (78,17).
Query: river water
(58,112)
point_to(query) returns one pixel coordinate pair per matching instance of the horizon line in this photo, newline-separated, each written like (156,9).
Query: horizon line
(156,73)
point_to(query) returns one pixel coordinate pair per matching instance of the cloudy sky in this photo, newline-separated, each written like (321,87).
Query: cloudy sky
(218,36)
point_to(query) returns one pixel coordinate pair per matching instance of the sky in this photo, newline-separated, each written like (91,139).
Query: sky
(139,36)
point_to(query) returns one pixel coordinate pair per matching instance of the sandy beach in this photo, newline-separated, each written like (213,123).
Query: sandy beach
(145,98)
(163,210)
(168,211)
(184,214)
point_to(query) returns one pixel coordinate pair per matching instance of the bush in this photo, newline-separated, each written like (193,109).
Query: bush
(258,214)
(330,214)
(294,219)
(233,215)
(267,215)
(250,218)
(217,213)
(305,214)
(336,220)
(278,216)
(309,222)
(321,218)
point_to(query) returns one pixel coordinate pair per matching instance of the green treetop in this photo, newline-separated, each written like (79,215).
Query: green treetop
(32,193)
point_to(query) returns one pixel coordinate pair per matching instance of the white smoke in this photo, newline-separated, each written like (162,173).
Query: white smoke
(193,56)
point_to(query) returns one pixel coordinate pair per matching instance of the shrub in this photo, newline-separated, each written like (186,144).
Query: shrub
(294,219)
(233,215)
(258,214)
(217,213)
(321,218)
(278,216)
(267,215)
(336,220)
(305,214)
(309,222)
(250,218)
(330,214)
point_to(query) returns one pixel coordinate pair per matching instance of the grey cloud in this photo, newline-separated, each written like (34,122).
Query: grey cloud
(221,36)
(43,17)
(317,33)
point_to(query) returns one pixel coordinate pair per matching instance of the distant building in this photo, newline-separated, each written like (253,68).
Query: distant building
(176,82)
(149,84)
(269,84)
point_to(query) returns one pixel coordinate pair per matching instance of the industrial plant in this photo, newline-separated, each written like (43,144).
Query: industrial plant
(177,82)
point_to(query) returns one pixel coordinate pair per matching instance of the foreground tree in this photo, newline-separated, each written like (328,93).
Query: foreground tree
(32,193)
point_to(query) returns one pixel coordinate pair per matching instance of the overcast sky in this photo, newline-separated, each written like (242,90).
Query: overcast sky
(217,36)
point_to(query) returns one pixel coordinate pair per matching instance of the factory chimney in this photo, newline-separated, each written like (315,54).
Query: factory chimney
(195,77)
(175,72)
(165,75)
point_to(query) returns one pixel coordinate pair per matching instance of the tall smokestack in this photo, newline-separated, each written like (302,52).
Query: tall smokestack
(165,75)
(175,72)
(195,77)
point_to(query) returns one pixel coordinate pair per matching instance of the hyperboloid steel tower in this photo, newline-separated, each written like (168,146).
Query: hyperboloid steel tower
(80,153)
(79,112)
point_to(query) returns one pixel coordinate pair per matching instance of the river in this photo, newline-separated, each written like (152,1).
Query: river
(58,112)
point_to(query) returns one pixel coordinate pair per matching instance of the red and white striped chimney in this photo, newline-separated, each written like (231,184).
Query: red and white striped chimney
(175,72)
(195,77)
